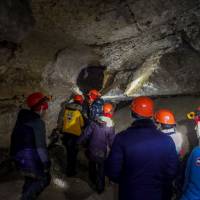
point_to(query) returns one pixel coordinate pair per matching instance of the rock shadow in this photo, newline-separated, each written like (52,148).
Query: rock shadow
(91,77)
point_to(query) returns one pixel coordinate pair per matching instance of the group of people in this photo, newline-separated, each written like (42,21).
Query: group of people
(144,160)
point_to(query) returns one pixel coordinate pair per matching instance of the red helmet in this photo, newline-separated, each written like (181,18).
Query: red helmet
(143,106)
(78,98)
(165,116)
(94,94)
(108,110)
(37,101)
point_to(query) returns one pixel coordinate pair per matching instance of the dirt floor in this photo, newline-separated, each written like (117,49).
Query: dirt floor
(78,188)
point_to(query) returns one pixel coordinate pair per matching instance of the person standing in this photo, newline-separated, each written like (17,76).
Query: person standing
(143,161)
(71,126)
(93,107)
(166,123)
(28,146)
(99,136)
(191,189)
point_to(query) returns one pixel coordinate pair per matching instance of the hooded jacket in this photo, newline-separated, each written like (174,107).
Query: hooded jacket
(143,161)
(99,135)
(28,143)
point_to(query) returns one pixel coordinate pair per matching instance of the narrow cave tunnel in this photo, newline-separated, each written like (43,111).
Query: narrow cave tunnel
(124,49)
(91,77)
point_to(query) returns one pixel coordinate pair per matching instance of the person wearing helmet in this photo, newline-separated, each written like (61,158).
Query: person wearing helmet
(28,146)
(191,189)
(166,123)
(99,136)
(143,161)
(94,104)
(70,125)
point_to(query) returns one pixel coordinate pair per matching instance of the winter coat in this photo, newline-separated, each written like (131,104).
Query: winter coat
(96,109)
(143,161)
(28,143)
(191,190)
(99,135)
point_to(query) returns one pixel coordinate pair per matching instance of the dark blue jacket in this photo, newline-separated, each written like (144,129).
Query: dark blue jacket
(143,161)
(28,143)
(191,190)
(96,109)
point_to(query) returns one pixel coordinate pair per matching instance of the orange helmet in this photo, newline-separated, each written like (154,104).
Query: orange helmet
(107,108)
(78,98)
(165,116)
(94,94)
(37,101)
(143,106)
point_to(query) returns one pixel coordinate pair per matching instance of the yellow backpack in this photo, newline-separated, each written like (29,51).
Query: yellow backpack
(73,122)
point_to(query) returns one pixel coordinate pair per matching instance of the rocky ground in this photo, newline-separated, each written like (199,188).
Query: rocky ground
(79,187)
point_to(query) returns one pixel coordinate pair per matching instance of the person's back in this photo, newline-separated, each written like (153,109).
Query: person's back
(73,121)
(149,162)
(166,123)
(191,189)
(94,105)
(71,127)
(143,161)
(28,146)
(96,109)
(101,137)
(24,141)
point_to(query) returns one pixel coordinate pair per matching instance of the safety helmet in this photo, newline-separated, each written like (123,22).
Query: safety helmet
(165,116)
(37,101)
(94,94)
(142,106)
(78,98)
(107,108)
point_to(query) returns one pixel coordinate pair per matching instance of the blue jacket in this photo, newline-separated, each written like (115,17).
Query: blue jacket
(96,109)
(143,161)
(191,189)
(99,135)
(28,143)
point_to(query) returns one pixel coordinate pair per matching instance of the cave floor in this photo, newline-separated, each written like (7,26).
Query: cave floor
(78,188)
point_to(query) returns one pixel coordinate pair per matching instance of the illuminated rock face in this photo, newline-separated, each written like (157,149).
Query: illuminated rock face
(141,47)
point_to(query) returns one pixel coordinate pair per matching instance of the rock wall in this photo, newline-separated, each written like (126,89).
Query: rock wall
(148,47)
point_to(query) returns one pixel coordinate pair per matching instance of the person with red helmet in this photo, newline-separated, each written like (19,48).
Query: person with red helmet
(166,122)
(70,125)
(99,136)
(93,106)
(28,146)
(143,160)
